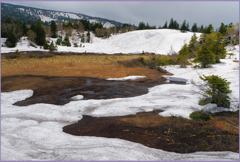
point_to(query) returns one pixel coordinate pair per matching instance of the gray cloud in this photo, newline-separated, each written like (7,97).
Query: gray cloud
(153,12)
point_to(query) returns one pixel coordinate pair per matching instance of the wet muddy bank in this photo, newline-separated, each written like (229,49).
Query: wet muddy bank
(60,90)
(167,133)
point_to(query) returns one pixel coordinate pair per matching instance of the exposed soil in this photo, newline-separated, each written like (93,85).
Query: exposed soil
(170,134)
(59,90)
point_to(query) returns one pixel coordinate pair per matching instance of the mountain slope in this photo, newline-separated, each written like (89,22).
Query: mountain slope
(30,15)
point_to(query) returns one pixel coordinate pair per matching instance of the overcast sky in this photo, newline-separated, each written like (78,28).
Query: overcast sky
(153,12)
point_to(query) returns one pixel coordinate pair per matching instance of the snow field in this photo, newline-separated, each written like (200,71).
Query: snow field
(158,41)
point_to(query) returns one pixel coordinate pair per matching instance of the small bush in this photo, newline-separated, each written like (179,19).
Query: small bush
(45,45)
(52,47)
(80,45)
(17,55)
(59,41)
(201,115)
(75,45)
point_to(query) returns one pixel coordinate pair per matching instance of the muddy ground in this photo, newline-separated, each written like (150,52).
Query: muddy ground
(59,90)
(170,134)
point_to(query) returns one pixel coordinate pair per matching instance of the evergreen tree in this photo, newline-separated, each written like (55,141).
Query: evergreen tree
(223,29)
(209,29)
(201,29)
(218,47)
(184,26)
(52,47)
(175,25)
(11,40)
(41,35)
(187,27)
(194,28)
(88,37)
(165,25)
(32,27)
(171,24)
(141,26)
(83,38)
(204,56)
(183,56)
(66,41)
(218,89)
(24,29)
(53,29)
(193,46)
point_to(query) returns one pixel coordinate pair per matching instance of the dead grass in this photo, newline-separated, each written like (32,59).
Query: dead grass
(101,66)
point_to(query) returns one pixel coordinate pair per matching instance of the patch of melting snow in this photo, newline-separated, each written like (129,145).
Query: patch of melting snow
(128,78)
(76,98)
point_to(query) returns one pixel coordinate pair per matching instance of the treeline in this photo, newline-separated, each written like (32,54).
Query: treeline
(38,32)
(173,24)
(209,48)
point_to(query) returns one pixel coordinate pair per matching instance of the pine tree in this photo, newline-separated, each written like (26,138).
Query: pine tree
(141,26)
(11,40)
(218,90)
(183,56)
(194,28)
(218,47)
(204,56)
(41,35)
(83,38)
(53,29)
(24,29)
(193,46)
(171,25)
(88,37)
(165,25)
(175,25)
(184,26)
(209,29)
(223,29)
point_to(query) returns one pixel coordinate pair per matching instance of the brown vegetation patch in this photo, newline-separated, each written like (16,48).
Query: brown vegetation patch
(85,65)
(167,133)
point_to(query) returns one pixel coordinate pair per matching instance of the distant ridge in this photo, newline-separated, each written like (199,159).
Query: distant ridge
(31,15)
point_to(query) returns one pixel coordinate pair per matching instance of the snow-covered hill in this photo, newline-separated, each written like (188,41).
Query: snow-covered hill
(158,41)
(23,13)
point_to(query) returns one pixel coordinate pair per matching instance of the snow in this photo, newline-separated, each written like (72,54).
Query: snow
(128,78)
(45,18)
(21,9)
(108,25)
(158,41)
(93,21)
(34,132)
(73,16)
(78,97)
(22,45)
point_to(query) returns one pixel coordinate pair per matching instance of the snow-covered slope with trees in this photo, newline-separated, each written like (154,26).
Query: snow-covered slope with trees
(158,41)
(30,15)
